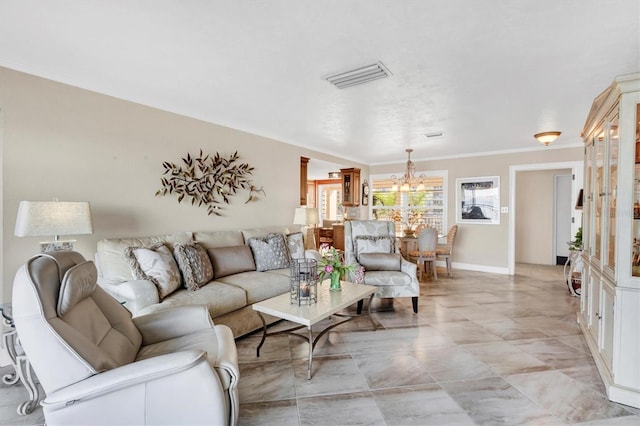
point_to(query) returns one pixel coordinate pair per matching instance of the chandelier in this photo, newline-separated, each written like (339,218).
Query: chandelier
(409,181)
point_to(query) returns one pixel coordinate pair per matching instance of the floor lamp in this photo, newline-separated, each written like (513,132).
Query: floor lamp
(53,218)
(308,218)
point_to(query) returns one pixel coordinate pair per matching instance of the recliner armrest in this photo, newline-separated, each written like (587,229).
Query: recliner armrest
(227,362)
(125,376)
(173,322)
(135,294)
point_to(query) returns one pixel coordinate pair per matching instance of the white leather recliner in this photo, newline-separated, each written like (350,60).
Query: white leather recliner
(97,365)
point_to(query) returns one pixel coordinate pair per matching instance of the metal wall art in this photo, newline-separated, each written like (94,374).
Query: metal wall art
(209,181)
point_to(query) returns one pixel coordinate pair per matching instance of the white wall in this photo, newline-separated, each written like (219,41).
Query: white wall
(65,142)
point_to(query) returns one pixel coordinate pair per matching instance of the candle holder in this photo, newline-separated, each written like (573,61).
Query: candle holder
(304,282)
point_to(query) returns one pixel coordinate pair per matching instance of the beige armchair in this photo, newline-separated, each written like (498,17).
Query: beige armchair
(97,365)
(372,244)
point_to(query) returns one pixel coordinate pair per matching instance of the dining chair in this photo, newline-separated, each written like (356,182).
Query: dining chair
(445,251)
(426,253)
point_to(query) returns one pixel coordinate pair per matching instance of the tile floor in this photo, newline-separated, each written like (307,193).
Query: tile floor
(483,349)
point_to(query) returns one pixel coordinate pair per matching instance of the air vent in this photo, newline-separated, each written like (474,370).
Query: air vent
(435,134)
(359,76)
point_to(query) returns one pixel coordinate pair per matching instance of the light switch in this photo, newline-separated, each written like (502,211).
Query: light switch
(504,209)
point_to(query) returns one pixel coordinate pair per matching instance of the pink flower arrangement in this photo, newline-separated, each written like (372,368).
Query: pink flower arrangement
(332,262)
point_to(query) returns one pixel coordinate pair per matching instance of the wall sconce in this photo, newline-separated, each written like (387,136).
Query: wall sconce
(546,137)
(53,218)
(308,218)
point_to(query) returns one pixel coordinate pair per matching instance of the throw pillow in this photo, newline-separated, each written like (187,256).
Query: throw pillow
(269,252)
(155,264)
(380,261)
(295,244)
(375,244)
(231,260)
(194,263)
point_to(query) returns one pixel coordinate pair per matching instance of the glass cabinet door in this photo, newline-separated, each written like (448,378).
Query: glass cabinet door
(598,193)
(587,212)
(611,193)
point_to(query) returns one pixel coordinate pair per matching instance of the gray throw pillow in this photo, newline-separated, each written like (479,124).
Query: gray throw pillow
(380,261)
(295,244)
(194,263)
(269,252)
(231,260)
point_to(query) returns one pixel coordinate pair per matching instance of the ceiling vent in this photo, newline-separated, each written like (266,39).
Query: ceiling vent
(435,134)
(359,76)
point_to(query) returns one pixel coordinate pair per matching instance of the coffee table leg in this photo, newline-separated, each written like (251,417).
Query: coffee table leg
(375,326)
(311,344)
(264,334)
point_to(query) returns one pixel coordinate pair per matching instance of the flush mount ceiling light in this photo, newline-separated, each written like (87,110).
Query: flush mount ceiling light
(546,137)
(359,75)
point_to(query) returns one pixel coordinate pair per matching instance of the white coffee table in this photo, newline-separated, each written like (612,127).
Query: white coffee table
(329,303)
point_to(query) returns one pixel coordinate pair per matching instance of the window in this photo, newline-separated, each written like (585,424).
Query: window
(413,209)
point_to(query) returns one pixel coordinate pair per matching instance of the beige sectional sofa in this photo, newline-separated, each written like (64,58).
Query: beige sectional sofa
(239,279)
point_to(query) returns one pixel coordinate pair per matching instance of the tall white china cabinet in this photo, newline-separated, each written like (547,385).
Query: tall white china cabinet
(610,302)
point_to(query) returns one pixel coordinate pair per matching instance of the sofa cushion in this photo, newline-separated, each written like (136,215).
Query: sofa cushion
(114,267)
(380,261)
(263,231)
(295,244)
(231,260)
(157,265)
(219,297)
(374,244)
(388,279)
(259,285)
(194,263)
(269,252)
(212,239)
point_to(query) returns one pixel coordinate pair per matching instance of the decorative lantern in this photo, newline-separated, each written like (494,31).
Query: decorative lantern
(304,281)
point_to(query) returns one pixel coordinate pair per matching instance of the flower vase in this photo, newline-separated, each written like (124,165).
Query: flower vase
(335,281)
(409,233)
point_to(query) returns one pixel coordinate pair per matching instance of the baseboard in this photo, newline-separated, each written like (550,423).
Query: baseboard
(480,268)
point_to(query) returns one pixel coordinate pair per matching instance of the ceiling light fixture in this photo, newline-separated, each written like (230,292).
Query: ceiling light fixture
(359,75)
(546,137)
(409,180)
(436,134)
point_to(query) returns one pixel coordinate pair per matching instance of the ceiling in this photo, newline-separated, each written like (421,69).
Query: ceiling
(489,74)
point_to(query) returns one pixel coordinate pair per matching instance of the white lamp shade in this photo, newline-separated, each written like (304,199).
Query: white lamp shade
(305,216)
(40,218)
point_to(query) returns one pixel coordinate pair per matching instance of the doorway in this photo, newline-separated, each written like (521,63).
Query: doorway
(518,217)
(562,217)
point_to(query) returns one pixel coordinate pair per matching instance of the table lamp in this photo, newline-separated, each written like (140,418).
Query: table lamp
(54,218)
(307,218)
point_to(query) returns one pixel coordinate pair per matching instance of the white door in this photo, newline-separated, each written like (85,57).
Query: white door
(562,212)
